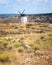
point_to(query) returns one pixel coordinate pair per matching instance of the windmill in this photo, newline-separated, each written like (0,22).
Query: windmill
(23,17)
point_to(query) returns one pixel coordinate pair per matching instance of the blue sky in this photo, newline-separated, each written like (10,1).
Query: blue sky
(30,6)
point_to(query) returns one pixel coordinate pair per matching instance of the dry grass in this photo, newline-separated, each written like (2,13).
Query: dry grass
(27,44)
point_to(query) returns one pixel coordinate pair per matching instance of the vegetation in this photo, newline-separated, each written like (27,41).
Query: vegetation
(17,44)
(35,46)
(28,25)
(5,57)
(20,49)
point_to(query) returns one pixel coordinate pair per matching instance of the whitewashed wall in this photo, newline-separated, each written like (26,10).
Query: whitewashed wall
(24,19)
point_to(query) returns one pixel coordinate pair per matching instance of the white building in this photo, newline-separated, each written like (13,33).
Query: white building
(24,19)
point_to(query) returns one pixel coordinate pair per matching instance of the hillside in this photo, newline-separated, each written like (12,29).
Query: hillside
(43,18)
(26,44)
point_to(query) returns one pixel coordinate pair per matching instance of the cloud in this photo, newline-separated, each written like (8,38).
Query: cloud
(32,0)
(41,0)
(4,1)
(22,1)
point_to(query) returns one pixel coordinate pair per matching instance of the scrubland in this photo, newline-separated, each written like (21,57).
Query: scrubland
(26,44)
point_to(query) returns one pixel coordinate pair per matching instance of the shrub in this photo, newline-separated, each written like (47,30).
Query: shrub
(16,28)
(39,52)
(35,46)
(28,25)
(20,49)
(41,31)
(1,46)
(4,57)
(18,44)
(10,48)
(5,45)
(21,27)
(50,34)
(45,25)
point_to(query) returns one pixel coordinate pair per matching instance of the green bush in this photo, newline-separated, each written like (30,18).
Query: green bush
(28,25)
(5,45)
(35,46)
(4,57)
(20,49)
(18,44)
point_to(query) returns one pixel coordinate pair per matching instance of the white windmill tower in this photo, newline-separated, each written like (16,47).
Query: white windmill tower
(23,17)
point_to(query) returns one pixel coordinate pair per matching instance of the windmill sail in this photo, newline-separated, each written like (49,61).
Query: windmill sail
(22,13)
(23,17)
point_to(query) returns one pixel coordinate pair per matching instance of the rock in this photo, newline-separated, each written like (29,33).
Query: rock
(26,46)
(12,40)
(27,60)
(17,40)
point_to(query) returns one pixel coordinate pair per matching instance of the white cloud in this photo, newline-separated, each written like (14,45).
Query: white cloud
(22,1)
(4,1)
(32,0)
(42,0)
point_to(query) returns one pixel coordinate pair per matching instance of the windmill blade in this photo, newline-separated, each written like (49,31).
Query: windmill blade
(23,11)
(19,12)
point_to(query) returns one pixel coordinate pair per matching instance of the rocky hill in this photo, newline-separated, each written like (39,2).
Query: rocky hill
(43,18)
